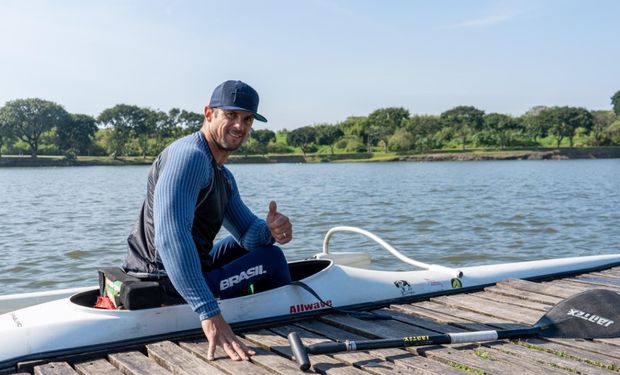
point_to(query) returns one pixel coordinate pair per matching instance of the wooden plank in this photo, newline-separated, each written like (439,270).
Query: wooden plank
(96,367)
(274,362)
(374,328)
(615,272)
(509,301)
(179,361)
(444,314)
(136,363)
(550,289)
(526,295)
(608,274)
(594,349)
(544,352)
(611,342)
(200,349)
(54,368)
(524,363)
(466,358)
(581,285)
(430,325)
(495,310)
(603,282)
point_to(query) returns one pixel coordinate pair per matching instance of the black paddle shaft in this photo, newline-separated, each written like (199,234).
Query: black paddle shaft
(590,314)
(301,352)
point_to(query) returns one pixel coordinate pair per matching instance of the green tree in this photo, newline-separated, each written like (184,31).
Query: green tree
(402,140)
(537,122)
(502,126)
(263,137)
(6,132)
(121,118)
(383,123)
(302,137)
(566,120)
(328,135)
(424,130)
(463,120)
(613,132)
(249,146)
(76,134)
(145,126)
(355,130)
(601,120)
(615,102)
(30,118)
(188,122)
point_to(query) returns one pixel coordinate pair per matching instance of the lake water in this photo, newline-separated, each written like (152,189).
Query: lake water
(57,225)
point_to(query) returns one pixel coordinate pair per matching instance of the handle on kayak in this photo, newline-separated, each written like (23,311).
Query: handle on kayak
(455,273)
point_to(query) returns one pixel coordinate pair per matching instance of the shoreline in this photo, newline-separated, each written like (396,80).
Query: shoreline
(452,155)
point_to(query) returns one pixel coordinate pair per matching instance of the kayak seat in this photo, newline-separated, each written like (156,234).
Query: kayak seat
(131,293)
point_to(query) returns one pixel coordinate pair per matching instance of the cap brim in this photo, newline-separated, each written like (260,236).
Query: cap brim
(257,116)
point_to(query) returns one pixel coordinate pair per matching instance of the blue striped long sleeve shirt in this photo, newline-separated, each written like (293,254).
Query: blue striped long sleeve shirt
(188,170)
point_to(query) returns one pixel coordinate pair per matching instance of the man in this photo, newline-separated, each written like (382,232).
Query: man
(190,196)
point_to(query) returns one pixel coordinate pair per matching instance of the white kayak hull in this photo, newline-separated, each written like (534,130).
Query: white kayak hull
(10,302)
(64,326)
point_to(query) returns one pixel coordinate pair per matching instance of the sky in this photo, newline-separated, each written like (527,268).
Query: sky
(312,61)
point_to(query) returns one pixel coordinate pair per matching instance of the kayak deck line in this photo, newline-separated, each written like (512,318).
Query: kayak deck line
(504,305)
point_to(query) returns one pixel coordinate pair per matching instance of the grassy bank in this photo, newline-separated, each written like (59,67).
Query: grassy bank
(444,155)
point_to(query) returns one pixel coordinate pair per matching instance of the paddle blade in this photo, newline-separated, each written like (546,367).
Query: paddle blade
(590,314)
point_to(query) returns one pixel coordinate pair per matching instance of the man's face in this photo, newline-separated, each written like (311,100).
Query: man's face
(230,128)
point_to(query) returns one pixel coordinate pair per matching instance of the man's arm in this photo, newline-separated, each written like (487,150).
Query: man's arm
(251,231)
(176,193)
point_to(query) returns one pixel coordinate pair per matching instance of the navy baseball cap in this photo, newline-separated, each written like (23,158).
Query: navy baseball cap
(236,96)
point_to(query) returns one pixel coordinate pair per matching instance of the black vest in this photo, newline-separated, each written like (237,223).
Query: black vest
(142,258)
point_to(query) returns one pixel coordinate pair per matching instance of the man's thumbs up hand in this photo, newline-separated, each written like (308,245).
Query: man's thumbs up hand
(279,225)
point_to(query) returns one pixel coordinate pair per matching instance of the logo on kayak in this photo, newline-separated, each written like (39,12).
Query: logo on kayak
(294,309)
(245,275)
(590,317)
(16,320)
(404,286)
(456,283)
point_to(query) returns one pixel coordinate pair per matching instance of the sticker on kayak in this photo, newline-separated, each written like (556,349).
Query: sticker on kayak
(294,309)
(16,320)
(456,283)
(404,286)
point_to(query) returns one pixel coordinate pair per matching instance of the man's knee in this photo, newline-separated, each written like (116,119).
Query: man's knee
(272,252)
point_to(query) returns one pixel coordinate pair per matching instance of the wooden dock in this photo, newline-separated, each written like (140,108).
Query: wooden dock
(508,304)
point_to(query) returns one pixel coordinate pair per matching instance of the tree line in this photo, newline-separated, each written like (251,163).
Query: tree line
(35,126)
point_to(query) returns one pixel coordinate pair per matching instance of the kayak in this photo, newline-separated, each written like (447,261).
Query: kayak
(71,325)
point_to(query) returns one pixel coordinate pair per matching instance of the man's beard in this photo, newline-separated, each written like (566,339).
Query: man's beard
(224,146)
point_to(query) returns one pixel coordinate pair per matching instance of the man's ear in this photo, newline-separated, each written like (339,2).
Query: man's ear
(209,112)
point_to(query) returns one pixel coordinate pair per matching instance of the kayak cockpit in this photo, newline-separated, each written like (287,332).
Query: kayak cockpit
(299,270)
